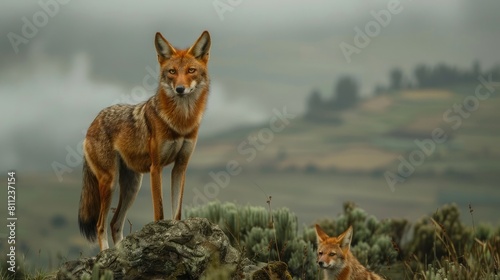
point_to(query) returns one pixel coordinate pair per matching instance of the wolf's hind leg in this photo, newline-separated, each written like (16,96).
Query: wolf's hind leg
(130,183)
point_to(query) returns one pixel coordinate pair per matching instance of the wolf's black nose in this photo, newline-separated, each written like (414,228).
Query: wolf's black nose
(179,89)
(320,263)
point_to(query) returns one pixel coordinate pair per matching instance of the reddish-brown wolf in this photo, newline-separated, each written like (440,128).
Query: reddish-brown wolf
(125,141)
(336,259)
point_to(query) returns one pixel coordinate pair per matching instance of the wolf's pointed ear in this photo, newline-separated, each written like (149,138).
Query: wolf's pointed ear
(201,48)
(320,234)
(345,239)
(163,48)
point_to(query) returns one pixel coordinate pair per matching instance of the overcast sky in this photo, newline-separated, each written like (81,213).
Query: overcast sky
(63,61)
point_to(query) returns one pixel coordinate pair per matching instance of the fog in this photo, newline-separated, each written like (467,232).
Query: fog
(83,56)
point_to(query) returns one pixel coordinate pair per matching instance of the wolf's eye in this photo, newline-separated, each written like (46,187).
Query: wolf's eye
(320,253)
(191,70)
(172,71)
(332,254)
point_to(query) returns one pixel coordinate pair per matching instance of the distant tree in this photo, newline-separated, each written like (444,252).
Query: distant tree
(346,93)
(440,76)
(407,83)
(422,74)
(444,75)
(58,221)
(315,101)
(281,154)
(379,89)
(311,168)
(396,77)
(476,69)
(495,73)
(315,106)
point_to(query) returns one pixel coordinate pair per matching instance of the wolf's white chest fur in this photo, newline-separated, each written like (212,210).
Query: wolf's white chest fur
(170,149)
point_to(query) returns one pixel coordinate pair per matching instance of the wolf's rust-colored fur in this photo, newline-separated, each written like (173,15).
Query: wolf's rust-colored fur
(336,259)
(125,141)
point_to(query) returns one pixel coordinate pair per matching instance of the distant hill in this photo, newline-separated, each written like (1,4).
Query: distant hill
(372,137)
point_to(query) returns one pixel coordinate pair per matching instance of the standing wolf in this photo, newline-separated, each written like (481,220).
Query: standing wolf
(125,141)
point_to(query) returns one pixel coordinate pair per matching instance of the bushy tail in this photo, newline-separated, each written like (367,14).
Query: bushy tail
(90,204)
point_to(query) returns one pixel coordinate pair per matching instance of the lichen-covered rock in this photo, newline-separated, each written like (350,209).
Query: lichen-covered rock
(162,250)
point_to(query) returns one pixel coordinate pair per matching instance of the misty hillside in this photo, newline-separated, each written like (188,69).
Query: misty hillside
(456,133)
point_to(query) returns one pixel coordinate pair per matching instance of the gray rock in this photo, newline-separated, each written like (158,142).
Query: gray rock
(164,250)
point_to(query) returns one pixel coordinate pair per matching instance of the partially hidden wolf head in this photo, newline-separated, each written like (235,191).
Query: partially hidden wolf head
(333,250)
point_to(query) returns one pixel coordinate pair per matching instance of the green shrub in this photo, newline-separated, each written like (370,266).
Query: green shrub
(453,250)
(265,238)
(442,234)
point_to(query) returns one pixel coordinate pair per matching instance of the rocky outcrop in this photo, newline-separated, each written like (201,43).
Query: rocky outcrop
(165,250)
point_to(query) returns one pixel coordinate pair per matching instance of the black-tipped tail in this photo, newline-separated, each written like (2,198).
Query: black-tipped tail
(90,204)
